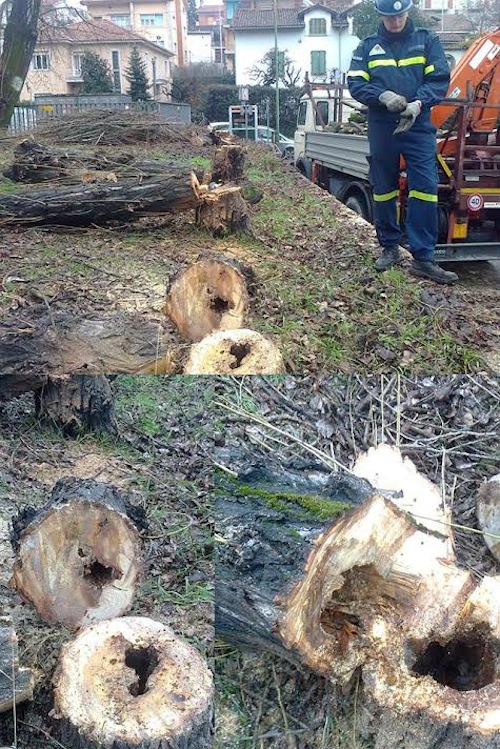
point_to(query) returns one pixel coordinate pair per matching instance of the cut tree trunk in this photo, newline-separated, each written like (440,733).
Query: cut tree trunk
(132,683)
(36,344)
(77,405)
(78,558)
(228,163)
(209,295)
(10,671)
(488,514)
(238,352)
(376,593)
(126,200)
(223,211)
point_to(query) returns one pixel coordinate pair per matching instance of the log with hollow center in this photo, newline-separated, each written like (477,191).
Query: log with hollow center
(132,682)
(78,558)
(240,351)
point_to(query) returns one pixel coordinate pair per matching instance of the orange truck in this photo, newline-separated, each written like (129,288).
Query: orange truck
(468,153)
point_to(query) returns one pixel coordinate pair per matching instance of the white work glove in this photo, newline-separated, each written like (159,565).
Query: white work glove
(408,116)
(392,101)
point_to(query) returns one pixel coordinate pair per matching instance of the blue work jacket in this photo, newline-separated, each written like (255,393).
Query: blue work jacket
(411,63)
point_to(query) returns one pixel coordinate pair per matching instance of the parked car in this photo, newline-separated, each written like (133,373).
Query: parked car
(264,135)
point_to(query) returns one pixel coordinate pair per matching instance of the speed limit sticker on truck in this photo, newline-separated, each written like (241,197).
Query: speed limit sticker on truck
(475,202)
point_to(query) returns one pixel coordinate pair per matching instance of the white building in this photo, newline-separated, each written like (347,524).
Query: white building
(318,40)
(199,45)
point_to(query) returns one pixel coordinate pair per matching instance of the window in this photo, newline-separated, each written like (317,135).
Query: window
(151,19)
(115,68)
(321,113)
(121,20)
(318,63)
(41,61)
(77,63)
(317,27)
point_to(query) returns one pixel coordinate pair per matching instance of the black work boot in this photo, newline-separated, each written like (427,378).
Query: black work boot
(430,269)
(389,257)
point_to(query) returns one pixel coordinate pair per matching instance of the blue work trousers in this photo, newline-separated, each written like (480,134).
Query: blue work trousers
(418,146)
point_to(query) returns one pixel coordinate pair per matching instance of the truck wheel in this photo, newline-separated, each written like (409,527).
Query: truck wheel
(357,204)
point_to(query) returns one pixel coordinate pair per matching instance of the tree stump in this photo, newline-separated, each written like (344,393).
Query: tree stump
(78,557)
(209,295)
(77,405)
(488,514)
(228,163)
(223,211)
(10,671)
(132,683)
(236,352)
(377,593)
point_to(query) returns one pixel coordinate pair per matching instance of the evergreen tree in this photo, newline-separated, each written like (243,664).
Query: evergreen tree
(137,77)
(192,14)
(96,75)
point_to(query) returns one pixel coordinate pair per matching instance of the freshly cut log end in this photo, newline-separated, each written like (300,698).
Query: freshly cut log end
(78,558)
(131,682)
(236,352)
(210,295)
(488,514)
(11,673)
(77,405)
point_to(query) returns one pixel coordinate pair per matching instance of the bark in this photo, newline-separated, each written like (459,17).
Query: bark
(77,405)
(127,200)
(375,593)
(78,558)
(209,295)
(36,345)
(228,164)
(237,352)
(19,40)
(488,514)
(146,689)
(223,211)
(10,671)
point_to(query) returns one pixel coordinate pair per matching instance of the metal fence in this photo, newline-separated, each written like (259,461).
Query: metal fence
(48,106)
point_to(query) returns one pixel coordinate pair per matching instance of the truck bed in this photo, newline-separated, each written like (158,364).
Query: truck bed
(339,151)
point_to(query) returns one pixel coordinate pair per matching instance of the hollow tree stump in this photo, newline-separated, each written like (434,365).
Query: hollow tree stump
(223,211)
(228,163)
(209,295)
(132,683)
(236,352)
(77,405)
(376,593)
(78,557)
(10,671)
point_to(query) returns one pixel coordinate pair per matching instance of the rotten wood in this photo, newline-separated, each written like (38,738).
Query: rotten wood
(488,513)
(228,163)
(78,558)
(211,294)
(238,352)
(377,593)
(36,344)
(14,680)
(77,405)
(223,211)
(132,683)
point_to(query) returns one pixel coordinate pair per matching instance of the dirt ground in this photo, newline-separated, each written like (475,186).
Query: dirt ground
(447,426)
(316,293)
(159,458)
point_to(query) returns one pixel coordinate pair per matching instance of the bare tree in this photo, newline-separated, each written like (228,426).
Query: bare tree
(19,39)
(264,71)
(483,14)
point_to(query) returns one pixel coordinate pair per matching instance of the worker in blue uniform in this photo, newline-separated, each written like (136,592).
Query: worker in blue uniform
(399,73)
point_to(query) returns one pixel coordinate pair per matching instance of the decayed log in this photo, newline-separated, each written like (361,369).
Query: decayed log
(228,163)
(238,352)
(132,683)
(77,405)
(223,211)
(78,558)
(36,344)
(209,295)
(126,200)
(380,594)
(10,672)
(488,513)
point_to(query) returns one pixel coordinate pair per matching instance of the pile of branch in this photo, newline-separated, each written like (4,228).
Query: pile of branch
(114,128)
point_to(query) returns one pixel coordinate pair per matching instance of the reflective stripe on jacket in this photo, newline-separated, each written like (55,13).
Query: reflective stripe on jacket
(411,63)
